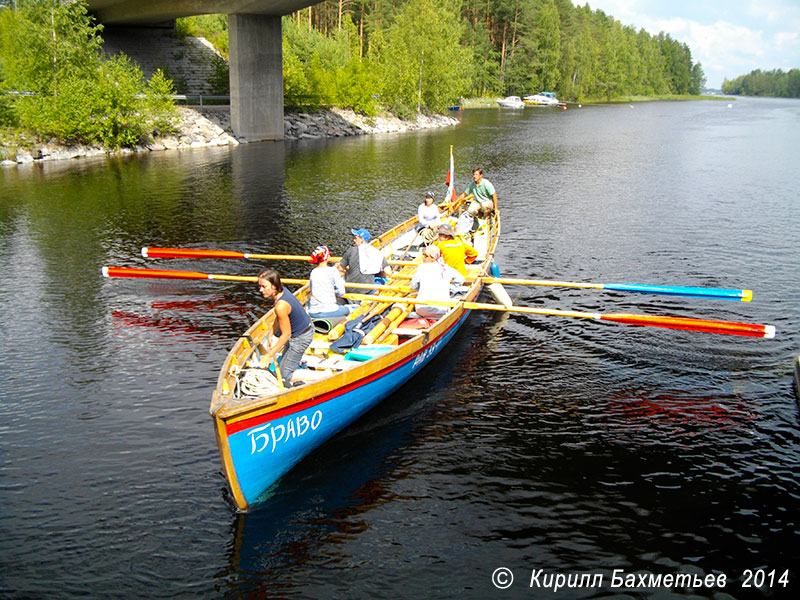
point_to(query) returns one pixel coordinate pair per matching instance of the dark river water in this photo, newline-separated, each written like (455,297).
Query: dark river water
(562,450)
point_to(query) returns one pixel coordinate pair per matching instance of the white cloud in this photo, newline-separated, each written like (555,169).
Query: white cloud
(726,50)
(785,15)
(787,46)
(729,39)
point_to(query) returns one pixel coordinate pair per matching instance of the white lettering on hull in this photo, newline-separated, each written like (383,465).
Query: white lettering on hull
(260,437)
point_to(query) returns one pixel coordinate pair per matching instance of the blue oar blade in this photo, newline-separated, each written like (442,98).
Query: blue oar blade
(674,290)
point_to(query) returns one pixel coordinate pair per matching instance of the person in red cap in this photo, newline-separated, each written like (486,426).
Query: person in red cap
(326,285)
(455,252)
(363,263)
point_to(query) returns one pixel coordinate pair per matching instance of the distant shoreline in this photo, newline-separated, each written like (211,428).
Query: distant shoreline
(201,127)
(491,101)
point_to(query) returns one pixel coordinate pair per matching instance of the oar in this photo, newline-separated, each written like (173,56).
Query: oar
(170,274)
(149,252)
(725,327)
(669,290)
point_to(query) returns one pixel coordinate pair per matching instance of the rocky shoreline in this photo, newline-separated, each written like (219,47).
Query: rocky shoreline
(210,126)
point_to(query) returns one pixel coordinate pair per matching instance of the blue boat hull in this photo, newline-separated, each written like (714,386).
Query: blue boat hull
(262,448)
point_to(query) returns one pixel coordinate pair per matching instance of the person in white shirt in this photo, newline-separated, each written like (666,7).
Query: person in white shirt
(432,278)
(363,262)
(428,213)
(326,284)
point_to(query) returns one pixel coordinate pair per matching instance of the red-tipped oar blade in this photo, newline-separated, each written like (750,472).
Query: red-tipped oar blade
(189,253)
(168,274)
(152,273)
(727,327)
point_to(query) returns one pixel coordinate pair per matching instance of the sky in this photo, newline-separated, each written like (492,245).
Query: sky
(728,37)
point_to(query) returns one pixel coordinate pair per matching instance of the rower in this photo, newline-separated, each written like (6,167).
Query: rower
(362,262)
(455,251)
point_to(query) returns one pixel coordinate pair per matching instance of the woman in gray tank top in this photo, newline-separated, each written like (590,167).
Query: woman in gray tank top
(292,325)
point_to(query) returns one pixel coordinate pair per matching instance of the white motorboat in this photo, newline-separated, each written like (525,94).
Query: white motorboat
(543,99)
(511,102)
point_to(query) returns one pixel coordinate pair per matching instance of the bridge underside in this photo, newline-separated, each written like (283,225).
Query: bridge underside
(152,12)
(254,45)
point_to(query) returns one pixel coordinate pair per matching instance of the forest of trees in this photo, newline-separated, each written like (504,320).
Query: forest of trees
(412,54)
(774,83)
(403,55)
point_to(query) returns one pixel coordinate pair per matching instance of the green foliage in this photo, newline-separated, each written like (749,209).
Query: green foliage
(423,65)
(44,41)
(776,83)
(220,80)
(8,117)
(578,53)
(325,70)
(409,55)
(485,59)
(72,92)
(212,27)
(547,34)
(159,106)
(425,54)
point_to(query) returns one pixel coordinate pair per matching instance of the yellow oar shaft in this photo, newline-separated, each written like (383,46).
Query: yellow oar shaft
(666,290)
(544,282)
(476,306)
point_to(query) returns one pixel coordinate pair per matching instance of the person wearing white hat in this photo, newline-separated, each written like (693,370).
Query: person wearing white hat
(432,279)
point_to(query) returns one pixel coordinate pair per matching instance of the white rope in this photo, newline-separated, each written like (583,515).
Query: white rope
(256,383)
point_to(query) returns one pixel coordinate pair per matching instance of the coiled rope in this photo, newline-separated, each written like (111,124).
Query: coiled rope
(256,382)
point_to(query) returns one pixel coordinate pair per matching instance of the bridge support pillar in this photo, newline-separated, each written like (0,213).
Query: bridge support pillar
(256,76)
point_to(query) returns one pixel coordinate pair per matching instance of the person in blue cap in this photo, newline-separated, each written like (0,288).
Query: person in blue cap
(363,262)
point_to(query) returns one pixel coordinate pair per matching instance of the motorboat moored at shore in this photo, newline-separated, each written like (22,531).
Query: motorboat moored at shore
(543,99)
(511,102)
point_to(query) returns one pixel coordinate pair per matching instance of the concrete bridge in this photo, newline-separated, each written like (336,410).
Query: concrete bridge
(254,47)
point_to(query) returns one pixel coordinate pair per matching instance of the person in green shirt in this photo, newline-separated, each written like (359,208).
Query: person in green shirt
(484,196)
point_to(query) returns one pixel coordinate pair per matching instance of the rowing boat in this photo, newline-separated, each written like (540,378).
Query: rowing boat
(263,430)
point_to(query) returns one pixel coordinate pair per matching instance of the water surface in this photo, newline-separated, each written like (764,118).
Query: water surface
(532,443)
